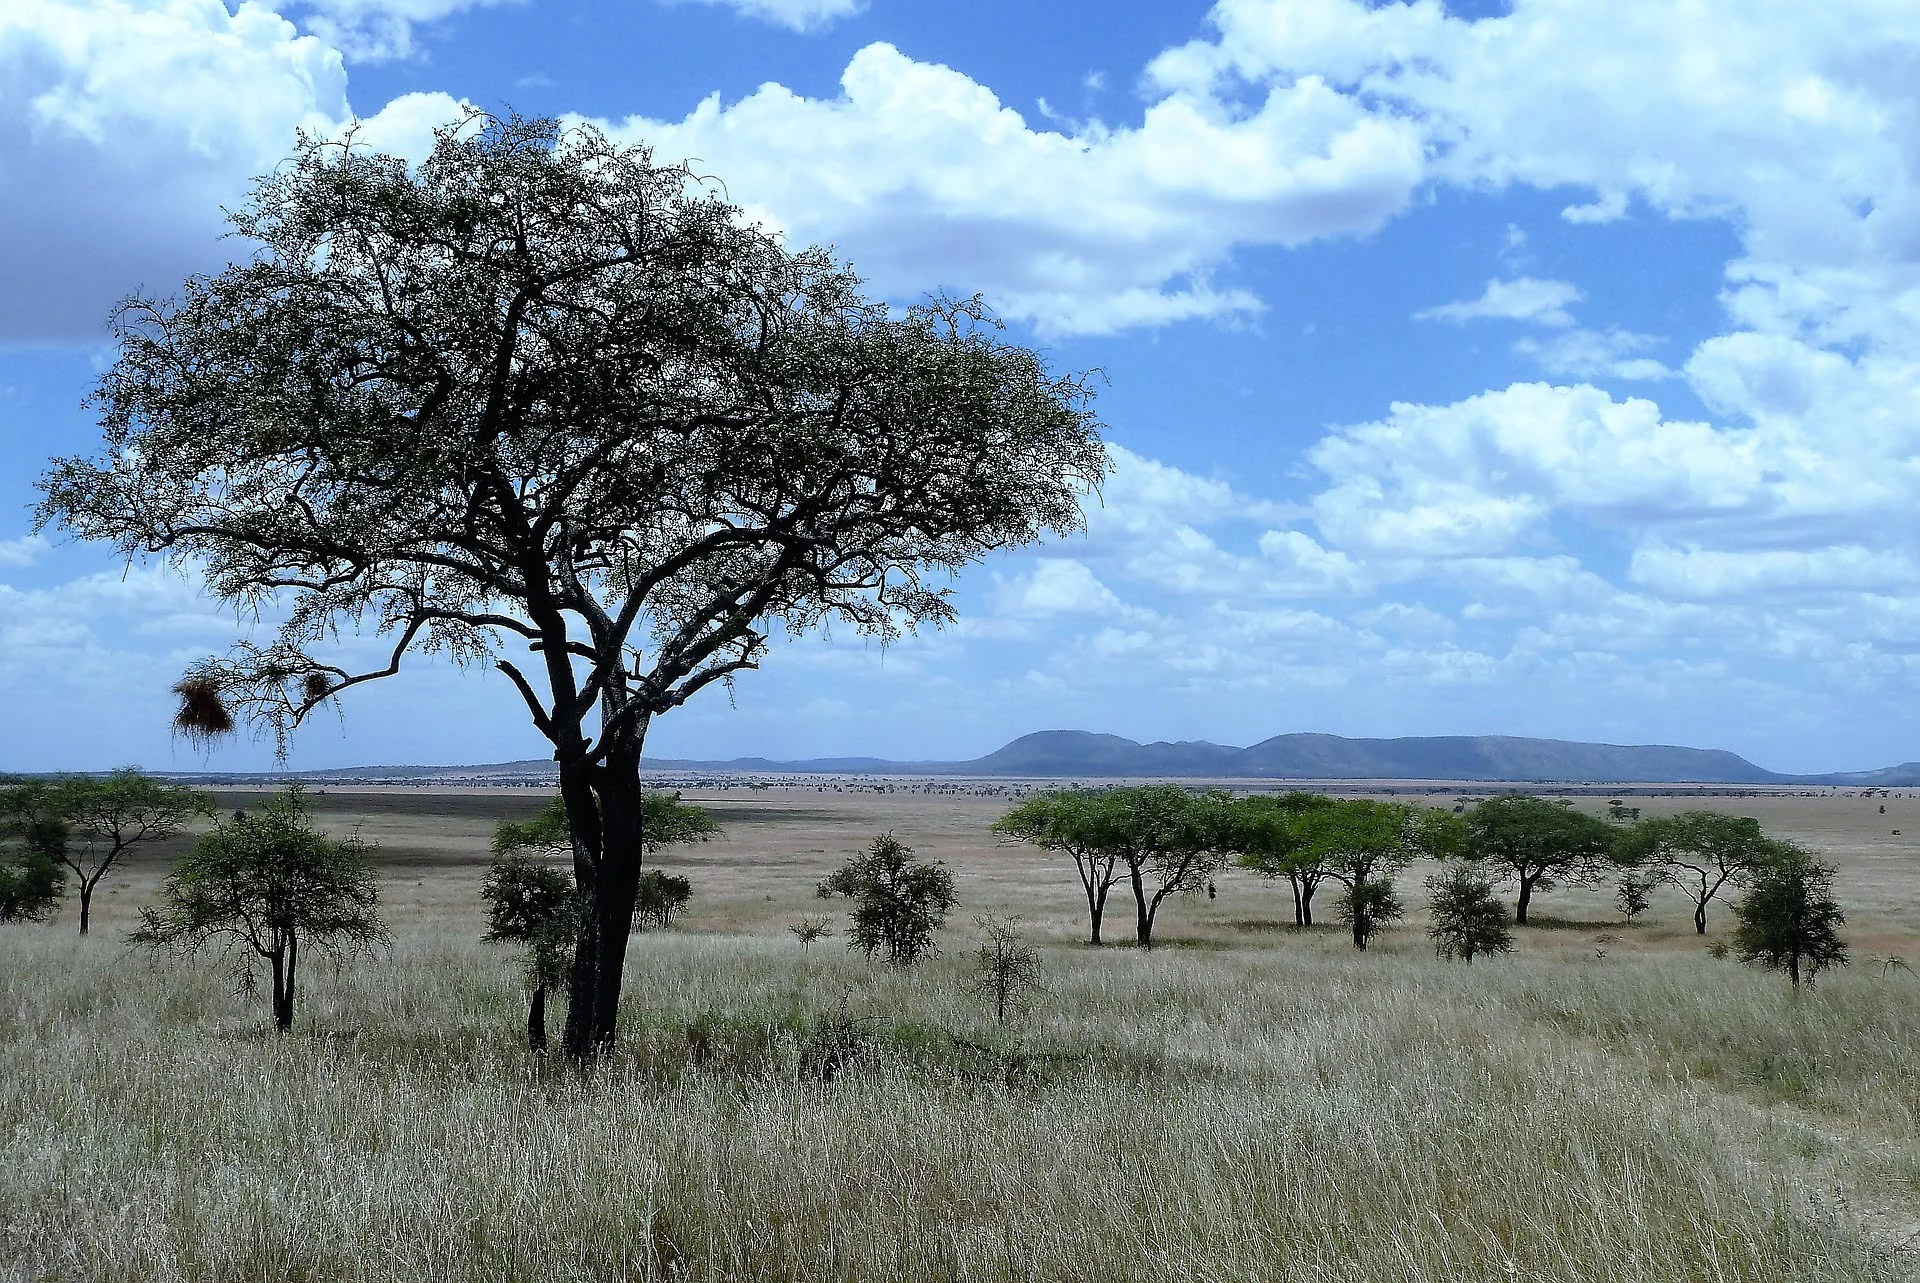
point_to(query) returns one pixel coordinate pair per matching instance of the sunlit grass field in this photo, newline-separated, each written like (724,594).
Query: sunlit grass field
(1249,1104)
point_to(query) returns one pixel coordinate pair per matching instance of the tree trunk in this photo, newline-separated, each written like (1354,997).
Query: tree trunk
(537,1021)
(1700,918)
(86,904)
(604,809)
(1143,913)
(1299,910)
(1360,926)
(1793,968)
(1526,894)
(1096,909)
(283,964)
(1306,903)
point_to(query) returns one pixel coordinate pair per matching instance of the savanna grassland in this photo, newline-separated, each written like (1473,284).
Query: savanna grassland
(1245,1102)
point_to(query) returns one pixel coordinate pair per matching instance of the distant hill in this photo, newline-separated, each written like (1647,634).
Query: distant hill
(1301,756)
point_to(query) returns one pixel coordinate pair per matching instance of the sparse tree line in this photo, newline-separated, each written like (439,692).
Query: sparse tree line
(262,888)
(1161,840)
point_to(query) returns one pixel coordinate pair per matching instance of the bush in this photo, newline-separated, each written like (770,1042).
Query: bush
(1633,895)
(1367,906)
(898,902)
(32,884)
(1006,969)
(1789,920)
(1467,918)
(533,902)
(659,897)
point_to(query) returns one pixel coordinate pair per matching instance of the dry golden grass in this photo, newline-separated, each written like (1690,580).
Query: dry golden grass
(1252,1103)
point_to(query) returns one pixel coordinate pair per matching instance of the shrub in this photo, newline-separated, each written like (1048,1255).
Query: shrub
(1467,918)
(1006,969)
(533,902)
(898,902)
(1788,919)
(1368,905)
(659,897)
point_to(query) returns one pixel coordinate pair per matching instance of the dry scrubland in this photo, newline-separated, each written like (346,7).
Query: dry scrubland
(1247,1103)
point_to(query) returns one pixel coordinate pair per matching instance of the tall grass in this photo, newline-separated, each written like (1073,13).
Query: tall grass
(1292,1112)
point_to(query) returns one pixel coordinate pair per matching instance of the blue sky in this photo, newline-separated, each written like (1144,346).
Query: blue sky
(1546,369)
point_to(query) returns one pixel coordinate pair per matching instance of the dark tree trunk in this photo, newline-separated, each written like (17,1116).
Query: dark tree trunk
(604,809)
(86,904)
(1299,909)
(1793,968)
(1143,912)
(1096,909)
(284,962)
(537,1021)
(1360,930)
(1526,895)
(1700,918)
(1306,903)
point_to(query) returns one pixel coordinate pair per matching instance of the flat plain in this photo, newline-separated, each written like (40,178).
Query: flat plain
(1247,1101)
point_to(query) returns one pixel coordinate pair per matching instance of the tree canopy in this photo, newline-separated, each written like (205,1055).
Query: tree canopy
(1701,852)
(541,393)
(1276,837)
(1538,844)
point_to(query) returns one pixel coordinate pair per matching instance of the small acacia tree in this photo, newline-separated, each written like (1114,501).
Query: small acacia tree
(1538,844)
(33,838)
(542,403)
(1634,895)
(531,902)
(261,887)
(1274,836)
(1789,920)
(1006,969)
(898,901)
(108,816)
(1701,852)
(1466,917)
(1079,823)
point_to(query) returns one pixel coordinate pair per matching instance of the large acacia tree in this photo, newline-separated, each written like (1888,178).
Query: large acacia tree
(543,403)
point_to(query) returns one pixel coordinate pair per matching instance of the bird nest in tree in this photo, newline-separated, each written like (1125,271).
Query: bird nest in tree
(203,715)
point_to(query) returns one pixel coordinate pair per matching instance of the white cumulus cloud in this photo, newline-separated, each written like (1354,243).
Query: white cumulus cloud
(926,180)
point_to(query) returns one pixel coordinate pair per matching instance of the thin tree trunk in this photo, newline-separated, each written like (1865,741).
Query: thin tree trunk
(86,904)
(1526,895)
(537,1021)
(1307,889)
(1096,909)
(1299,910)
(1700,918)
(1143,915)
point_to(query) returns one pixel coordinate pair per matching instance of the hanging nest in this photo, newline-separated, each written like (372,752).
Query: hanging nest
(203,715)
(316,687)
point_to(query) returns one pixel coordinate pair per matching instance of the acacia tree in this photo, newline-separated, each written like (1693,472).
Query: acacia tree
(1362,844)
(264,885)
(1274,836)
(1538,844)
(109,816)
(1700,852)
(1170,843)
(543,392)
(1788,919)
(1078,823)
